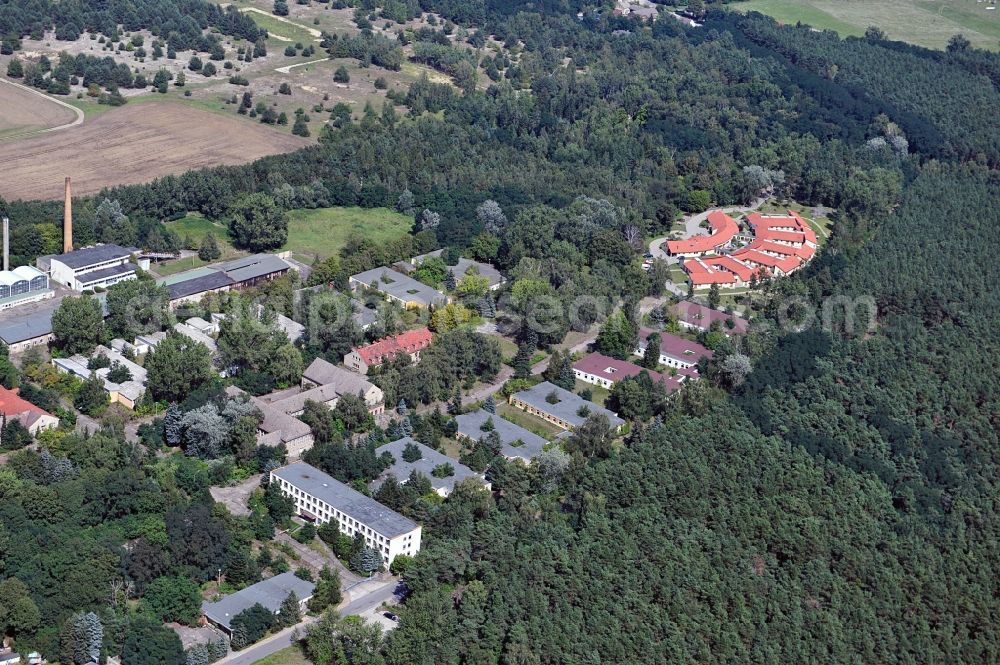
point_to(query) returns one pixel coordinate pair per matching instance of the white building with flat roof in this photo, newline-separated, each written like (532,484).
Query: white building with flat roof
(91,268)
(322,498)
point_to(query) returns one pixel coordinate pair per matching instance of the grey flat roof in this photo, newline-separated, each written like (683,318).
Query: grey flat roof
(470,425)
(23,327)
(567,406)
(251,267)
(356,505)
(363,316)
(105,273)
(270,593)
(88,256)
(200,284)
(400,286)
(463,265)
(430,458)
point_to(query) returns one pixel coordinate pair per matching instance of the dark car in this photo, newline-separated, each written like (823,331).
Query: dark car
(390,616)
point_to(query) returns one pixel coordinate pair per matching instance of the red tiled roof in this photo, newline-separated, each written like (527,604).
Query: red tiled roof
(728,263)
(702,317)
(753,256)
(795,237)
(773,248)
(13,405)
(700,274)
(676,346)
(724,228)
(611,369)
(410,341)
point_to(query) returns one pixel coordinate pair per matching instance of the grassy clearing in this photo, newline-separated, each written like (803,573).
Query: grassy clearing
(282,33)
(288,656)
(598,394)
(324,231)
(927,23)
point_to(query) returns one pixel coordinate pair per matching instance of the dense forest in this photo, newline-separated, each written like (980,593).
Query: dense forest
(838,506)
(181,23)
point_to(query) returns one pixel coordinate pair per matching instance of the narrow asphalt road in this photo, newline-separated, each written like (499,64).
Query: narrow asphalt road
(284,639)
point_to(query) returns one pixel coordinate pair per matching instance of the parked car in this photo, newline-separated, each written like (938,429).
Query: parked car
(390,616)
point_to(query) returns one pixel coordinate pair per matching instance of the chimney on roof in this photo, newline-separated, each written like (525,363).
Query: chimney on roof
(6,244)
(68,219)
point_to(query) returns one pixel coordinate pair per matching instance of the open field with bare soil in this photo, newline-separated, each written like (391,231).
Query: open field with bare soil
(23,111)
(132,144)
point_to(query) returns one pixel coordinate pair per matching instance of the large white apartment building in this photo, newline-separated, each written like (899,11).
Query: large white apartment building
(322,498)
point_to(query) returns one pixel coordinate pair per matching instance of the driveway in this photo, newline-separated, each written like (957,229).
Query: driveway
(692,227)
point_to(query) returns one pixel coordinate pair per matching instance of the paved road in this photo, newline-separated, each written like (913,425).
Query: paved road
(283,640)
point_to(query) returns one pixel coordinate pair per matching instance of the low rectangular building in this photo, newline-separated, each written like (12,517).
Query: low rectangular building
(270,593)
(693,316)
(605,371)
(675,351)
(322,498)
(24,330)
(561,407)
(515,441)
(396,286)
(465,267)
(429,460)
(127,393)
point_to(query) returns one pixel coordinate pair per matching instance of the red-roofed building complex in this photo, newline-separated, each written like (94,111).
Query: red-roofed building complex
(724,229)
(14,407)
(780,245)
(412,342)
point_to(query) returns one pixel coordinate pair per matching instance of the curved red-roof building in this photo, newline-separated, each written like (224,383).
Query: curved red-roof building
(724,229)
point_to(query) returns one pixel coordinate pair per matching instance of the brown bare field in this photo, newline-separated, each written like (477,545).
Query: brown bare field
(132,144)
(22,111)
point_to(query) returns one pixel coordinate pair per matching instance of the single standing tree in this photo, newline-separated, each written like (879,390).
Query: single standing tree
(209,250)
(651,356)
(490,405)
(327,592)
(714,297)
(91,398)
(176,367)
(78,324)
(490,215)
(290,613)
(341,75)
(257,222)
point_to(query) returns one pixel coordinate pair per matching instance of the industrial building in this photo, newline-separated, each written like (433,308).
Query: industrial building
(269,593)
(191,286)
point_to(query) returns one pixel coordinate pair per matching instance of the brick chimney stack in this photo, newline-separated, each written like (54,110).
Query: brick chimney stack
(68,219)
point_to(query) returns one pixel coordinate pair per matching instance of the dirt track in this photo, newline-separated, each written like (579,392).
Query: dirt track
(23,111)
(132,144)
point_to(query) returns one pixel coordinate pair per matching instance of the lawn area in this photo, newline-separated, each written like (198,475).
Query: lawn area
(288,656)
(598,394)
(929,23)
(198,226)
(323,231)
(527,421)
